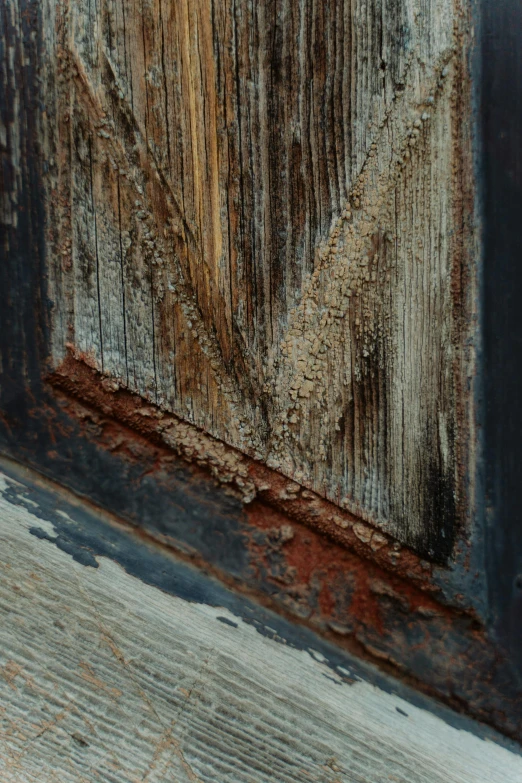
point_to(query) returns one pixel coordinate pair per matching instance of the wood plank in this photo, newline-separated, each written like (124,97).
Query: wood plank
(298,179)
(88,333)
(104,677)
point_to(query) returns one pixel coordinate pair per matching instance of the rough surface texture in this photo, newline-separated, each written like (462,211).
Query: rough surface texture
(442,631)
(241,476)
(260,221)
(103,677)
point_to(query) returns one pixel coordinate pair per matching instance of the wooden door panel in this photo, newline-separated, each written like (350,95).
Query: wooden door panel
(89,273)
(262,227)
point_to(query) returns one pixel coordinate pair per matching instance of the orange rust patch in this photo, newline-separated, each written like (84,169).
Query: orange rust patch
(351,592)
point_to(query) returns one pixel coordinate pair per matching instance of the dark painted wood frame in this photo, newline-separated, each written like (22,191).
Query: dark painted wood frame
(449,652)
(501,158)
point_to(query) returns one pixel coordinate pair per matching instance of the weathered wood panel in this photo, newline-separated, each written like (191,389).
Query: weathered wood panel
(268,235)
(103,677)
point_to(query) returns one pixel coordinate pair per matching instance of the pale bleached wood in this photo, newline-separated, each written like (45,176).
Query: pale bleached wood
(294,190)
(105,678)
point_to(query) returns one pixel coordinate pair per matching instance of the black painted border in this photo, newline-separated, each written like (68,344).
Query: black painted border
(501,155)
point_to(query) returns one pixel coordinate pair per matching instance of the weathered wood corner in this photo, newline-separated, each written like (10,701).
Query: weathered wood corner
(260,280)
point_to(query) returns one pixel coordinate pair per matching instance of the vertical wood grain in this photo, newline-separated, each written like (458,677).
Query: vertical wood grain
(268,235)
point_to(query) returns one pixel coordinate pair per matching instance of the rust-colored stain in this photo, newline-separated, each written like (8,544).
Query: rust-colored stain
(249,479)
(329,583)
(323,564)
